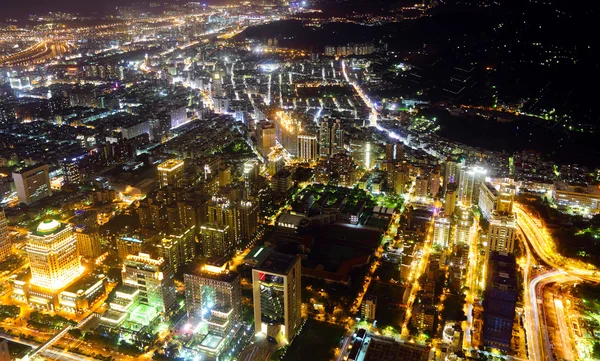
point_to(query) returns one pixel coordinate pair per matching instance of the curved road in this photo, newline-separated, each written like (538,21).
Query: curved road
(566,271)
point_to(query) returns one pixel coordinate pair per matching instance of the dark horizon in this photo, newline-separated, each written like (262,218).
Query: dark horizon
(23,8)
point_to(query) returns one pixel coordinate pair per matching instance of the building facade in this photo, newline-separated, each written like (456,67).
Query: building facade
(32,184)
(277,300)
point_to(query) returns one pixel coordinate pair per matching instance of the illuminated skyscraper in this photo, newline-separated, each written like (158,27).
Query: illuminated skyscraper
(213,293)
(88,242)
(308,149)
(463,226)
(266,137)
(5,245)
(470,186)
(213,302)
(504,202)
(453,168)
(32,183)
(178,248)
(331,137)
(277,295)
(441,231)
(215,240)
(502,232)
(170,173)
(53,255)
(71,173)
(154,280)
(450,200)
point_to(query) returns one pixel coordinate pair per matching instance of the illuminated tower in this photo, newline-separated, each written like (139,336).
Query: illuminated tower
(276,293)
(71,172)
(450,202)
(331,137)
(52,251)
(170,173)
(266,136)
(213,294)
(153,278)
(307,148)
(441,231)
(5,245)
(470,185)
(502,232)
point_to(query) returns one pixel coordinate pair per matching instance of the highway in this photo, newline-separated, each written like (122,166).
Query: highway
(565,271)
(564,330)
(51,353)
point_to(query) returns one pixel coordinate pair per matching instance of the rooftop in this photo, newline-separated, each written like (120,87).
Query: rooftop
(48,226)
(279,263)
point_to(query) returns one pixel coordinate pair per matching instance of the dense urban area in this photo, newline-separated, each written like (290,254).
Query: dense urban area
(286,180)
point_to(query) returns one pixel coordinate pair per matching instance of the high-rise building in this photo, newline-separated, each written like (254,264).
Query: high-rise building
(453,170)
(450,200)
(216,86)
(463,226)
(154,280)
(502,232)
(213,292)
(470,185)
(128,246)
(88,242)
(266,137)
(281,182)
(179,248)
(504,202)
(308,149)
(441,231)
(488,198)
(434,183)
(32,183)
(215,240)
(277,296)
(5,245)
(247,219)
(170,173)
(213,303)
(421,187)
(368,308)
(400,177)
(224,213)
(331,137)
(53,258)
(499,301)
(71,171)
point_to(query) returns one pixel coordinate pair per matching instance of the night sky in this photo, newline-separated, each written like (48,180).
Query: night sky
(23,8)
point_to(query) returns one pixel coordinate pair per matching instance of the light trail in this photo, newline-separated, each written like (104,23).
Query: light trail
(567,271)
(374,115)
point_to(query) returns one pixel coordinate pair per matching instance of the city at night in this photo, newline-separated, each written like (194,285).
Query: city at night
(299,180)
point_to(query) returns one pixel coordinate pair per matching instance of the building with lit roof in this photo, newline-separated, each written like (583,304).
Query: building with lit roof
(213,303)
(53,255)
(147,294)
(170,173)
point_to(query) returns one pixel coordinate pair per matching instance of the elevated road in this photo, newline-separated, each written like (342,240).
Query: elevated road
(566,270)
